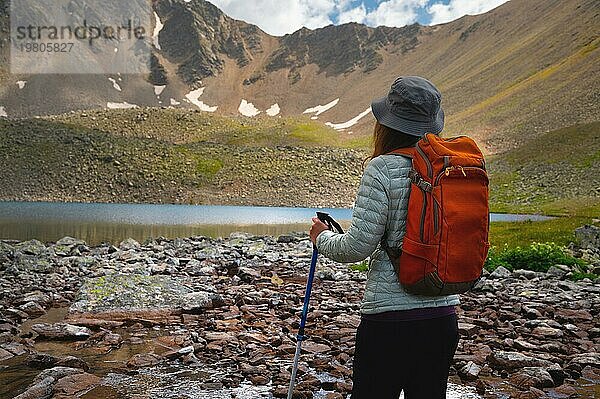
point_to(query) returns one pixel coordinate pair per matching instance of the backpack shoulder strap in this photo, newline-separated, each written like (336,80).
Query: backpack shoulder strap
(394,253)
(408,152)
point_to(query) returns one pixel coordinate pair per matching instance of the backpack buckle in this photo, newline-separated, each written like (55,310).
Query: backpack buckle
(418,181)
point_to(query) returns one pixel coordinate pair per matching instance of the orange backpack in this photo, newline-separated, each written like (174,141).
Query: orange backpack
(446,240)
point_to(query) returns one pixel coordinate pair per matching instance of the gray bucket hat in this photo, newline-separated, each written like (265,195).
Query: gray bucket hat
(412,106)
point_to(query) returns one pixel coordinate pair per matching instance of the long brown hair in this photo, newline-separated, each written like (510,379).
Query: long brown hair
(386,139)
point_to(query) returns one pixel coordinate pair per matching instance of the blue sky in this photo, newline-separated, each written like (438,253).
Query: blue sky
(423,17)
(279,17)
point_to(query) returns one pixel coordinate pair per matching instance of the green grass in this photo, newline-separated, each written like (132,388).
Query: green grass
(513,234)
(313,133)
(184,126)
(536,256)
(580,276)
(572,145)
(360,267)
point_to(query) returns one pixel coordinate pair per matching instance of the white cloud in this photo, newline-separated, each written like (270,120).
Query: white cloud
(395,13)
(279,17)
(442,13)
(347,13)
(388,12)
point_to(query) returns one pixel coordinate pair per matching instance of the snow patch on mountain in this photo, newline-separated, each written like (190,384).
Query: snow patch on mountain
(193,97)
(123,105)
(158,25)
(159,89)
(273,110)
(115,84)
(3,113)
(319,109)
(21,84)
(351,122)
(248,109)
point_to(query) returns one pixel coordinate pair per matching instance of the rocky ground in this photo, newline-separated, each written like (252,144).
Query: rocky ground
(198,161)
(211,318)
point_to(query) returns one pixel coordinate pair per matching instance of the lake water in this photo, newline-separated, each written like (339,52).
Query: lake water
(96,223)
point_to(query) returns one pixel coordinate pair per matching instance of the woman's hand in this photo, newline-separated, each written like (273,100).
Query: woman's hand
(317,228)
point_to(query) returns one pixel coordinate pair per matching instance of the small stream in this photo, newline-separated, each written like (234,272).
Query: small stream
(172,381)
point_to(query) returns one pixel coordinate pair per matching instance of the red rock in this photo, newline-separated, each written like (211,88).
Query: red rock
(72,385)
(143,360)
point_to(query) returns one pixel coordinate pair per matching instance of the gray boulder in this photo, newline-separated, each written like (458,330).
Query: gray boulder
(500,272)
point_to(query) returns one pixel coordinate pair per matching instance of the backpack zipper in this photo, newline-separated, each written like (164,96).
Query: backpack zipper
(463,169)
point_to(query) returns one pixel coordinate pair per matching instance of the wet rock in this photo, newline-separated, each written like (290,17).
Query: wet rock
(94,323)
(9,328)
(125,297)
(143,360)
(43,384)
(61,331)
(528,377)
(15,348)
(16,314)
(43,389)
(35,296)
(45,361)
(73,386)
(548,323)
(563,392)
(56,373)
(33,309)
(343,387)
(503,360)
(470,371)
(533,393)
(112,339)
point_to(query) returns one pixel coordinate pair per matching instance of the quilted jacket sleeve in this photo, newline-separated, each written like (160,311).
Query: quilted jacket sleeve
(368,219)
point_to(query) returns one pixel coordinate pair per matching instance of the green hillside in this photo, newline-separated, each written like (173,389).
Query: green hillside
(555,173)
(156,156)
(165,155)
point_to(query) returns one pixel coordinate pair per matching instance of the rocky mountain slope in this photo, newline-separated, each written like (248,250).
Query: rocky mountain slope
(524,68)
(179,156)
(175,156)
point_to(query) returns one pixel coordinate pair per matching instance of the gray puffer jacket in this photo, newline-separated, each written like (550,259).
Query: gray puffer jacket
(381,206)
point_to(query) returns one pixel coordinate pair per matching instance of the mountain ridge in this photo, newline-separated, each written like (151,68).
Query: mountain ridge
(508,75)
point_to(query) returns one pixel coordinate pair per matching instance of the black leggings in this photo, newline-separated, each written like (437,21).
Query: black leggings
(410,356)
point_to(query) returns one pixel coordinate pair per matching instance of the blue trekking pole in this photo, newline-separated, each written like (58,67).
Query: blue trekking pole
(328,220)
